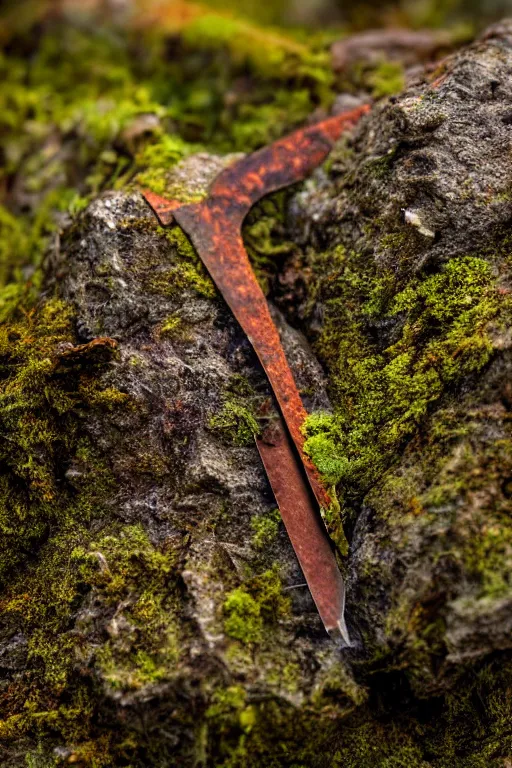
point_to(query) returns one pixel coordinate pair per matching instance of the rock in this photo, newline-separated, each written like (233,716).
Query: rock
(421,192)
(179,471)
(153,611)
(376,45)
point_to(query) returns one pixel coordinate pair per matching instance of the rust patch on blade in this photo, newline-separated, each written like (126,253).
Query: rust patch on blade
(214,226)
(304,527)
(282,163)
(163,208)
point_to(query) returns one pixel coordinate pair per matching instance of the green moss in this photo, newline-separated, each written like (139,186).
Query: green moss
(182,276)
(450,731)
(225,701)
(243,617)
(257,125)
(381,78)
(264,234)
(249,608)
(40,603)
(124,566)
(40,405)
(43,399)
(13,245)
(172,326)
(333,519)
(445,324)
(177,238)
(285,79)
(187,270)
(236,421)
(269,53)
(85,94)
(386,79)
(265,528)
(158,158)
(446,328)
(37,759)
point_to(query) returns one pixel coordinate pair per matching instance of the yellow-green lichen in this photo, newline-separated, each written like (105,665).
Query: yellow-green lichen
(447,320)
(265,528)
(250,608)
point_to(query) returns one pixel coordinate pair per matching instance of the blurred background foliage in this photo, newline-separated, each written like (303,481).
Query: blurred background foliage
(357,14)
(360,15)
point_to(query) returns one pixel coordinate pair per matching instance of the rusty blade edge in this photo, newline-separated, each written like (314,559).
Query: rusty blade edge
(284,162)
(214,225)
(222,251)
(221,248)
(305,529)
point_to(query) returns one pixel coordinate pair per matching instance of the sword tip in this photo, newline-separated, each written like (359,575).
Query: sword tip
(340,634)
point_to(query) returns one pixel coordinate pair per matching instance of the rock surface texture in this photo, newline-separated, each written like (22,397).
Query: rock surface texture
(163,620)
(412,317)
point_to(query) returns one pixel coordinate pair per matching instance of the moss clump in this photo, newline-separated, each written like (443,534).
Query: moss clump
(265,528)
(243,617)
(187,272)
(333,517)
(53,486)
(124,568)
(410,438)
(158,158)
(284,77)
(264,234)
(386,79)
(68,132)
(173,327)
(451,730)
(122,571)
(380,78)
(38,604)
(171,281)
(249,608)
(446,475)
(446,322)
(270,54)
(41,401)
(236,421)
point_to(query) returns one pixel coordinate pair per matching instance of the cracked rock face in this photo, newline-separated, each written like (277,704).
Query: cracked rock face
(175,471)
(423,184)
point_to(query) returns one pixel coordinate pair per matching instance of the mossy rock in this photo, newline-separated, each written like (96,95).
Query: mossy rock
(413,282)
(152,611)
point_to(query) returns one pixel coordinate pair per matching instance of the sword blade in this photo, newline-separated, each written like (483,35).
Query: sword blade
(214,226)
(305,529)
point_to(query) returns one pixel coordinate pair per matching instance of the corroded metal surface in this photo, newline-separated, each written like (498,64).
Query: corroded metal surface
(305,527)
(214,226)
